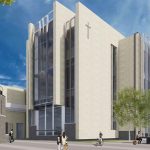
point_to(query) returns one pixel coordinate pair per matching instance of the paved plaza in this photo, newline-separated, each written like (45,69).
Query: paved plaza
(48,145)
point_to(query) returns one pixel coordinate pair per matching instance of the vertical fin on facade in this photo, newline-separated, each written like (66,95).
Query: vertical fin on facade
(29,50)
(59,21)
(29,74)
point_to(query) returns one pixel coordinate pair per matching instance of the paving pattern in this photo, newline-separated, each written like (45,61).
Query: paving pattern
(48,145)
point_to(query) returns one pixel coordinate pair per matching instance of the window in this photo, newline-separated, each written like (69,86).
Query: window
(6,128)
(114,82)
(43,64)
(114,71)
(69,72)
(1,106)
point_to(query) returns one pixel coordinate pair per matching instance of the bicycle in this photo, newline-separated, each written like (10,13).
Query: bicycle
(136,142)
(99,142)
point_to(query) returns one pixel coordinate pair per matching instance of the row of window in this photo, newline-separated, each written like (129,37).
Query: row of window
(43,65)
(44,115)
(69,73)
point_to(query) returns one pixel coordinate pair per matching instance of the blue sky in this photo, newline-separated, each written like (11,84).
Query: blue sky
(127,16)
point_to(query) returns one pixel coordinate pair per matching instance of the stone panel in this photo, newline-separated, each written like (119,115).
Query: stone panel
(70,131)
(2,119)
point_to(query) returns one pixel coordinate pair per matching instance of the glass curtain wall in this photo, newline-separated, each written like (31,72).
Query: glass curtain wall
(43,65)
(48,116)
(69,71)
(146,63)
(147,70)
(43,78)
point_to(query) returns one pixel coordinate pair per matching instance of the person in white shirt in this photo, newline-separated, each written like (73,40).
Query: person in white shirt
(64,141)
(59,141)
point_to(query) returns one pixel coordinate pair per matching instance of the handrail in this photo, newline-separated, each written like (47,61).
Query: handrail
(47,132)
(44,21)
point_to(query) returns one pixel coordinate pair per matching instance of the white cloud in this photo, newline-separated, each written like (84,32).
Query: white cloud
(12,84)
(23,59)
(30,7)
(5,77)
(48,1)
(26,4)
(124,11)
(22,77)
(14,66)
(70,4)
(17,86)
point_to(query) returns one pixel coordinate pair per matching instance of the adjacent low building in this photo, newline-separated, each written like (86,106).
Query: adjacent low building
(134,70)
(15,107)
(2,118)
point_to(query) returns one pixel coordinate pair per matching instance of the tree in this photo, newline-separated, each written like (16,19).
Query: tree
(6,2)
(131,108)
(147,108)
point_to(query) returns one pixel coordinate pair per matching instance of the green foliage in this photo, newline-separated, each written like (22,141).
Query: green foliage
(132,107)
(6,2)
(147,107)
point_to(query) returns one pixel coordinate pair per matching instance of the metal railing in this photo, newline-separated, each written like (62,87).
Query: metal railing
(47,132)
(43,101)
(44,21)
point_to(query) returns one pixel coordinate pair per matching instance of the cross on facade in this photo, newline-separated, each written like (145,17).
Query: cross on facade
(88,29)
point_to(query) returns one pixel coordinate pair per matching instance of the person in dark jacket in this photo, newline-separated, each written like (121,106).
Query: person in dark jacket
(59,141)
(11,136)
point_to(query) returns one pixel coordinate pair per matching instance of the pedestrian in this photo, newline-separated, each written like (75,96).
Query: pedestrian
(59,141)
(64,141)
(100,134)
(100,140)
(11,136)
(138,137)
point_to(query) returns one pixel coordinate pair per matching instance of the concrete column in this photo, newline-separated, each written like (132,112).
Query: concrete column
(53,119)
(45,120)
(63,118)
(2,119)
(37,119)
(27,123)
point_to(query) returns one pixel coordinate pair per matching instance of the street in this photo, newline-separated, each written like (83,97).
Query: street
(51,145)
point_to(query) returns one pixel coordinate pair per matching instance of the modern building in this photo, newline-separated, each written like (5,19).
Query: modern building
(71,75)
(133,69)
(15,111)
(2,118)
(76,63)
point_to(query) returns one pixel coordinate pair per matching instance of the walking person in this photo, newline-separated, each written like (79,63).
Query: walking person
(64,141)
(100,140)
(100,135)
(11,136)
(59,141)
(138,137)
